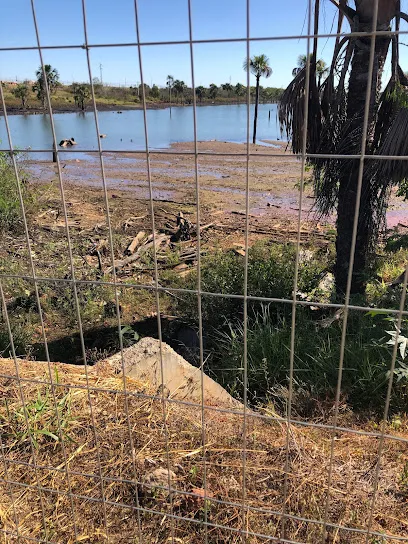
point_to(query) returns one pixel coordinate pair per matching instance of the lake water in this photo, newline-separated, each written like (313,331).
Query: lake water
(125,131)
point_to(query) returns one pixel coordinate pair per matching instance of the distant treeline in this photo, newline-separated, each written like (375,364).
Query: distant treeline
(31,94)
(180,93)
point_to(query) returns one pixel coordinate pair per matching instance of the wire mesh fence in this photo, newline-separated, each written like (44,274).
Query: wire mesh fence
(90,455)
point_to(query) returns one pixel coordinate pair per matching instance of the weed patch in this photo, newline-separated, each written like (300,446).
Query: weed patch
(10,209)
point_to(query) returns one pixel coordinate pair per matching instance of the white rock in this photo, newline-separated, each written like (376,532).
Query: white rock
(181,380)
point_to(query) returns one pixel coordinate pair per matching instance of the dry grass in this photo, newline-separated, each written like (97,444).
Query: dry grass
(86,519)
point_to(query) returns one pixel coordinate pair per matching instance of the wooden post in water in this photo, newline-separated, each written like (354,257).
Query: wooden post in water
(54,153)
(269,118)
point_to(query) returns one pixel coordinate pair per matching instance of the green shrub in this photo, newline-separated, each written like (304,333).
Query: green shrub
(10,211)
(271,271)
(22,339)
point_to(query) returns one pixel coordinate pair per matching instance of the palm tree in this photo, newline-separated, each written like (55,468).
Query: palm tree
(227,87)
(239,90)
(259,67)
(179,87)
(52,82)
(21,92)
(200,92)
(336,121)
(321,68)
(170,83)
(213,90)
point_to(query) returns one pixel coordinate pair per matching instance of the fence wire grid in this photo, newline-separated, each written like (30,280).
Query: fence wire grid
(172,524)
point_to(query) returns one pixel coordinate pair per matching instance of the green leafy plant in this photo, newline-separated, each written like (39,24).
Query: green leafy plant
(10,209)
(401,369)
(129,336)
(397,337)
(42,420)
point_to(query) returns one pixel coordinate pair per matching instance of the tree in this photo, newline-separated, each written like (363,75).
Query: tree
(336,121)
(259,67)
(227,87)
(239,89)
(321,68)
(169,84)
(81,94)
(51,81)
(146,89)
(213,90)
(154,91)
(22,91)
(179,88)
(200,93)
(272,94)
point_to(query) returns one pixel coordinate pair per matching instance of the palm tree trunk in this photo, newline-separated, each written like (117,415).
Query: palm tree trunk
(348,183)
(256,108)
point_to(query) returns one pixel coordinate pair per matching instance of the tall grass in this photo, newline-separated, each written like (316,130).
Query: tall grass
(367,360)
(10,210)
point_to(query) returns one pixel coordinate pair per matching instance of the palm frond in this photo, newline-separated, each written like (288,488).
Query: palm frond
(292,113)
(395,144)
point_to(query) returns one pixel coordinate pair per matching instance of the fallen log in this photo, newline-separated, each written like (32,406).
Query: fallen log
(158,240)
(135,243)
(272,230)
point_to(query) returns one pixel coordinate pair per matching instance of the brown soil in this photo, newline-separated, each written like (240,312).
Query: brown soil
(274,177)
(107,480)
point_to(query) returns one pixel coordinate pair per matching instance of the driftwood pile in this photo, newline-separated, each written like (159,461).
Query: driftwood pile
(160,243)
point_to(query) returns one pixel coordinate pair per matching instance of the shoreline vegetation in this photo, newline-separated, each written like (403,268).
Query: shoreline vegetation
(100,106)
(21,99)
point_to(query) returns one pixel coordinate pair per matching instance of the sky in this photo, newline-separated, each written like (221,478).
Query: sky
(113,22)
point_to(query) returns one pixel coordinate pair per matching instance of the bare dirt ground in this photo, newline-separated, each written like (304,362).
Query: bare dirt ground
(274,180)
(274,177)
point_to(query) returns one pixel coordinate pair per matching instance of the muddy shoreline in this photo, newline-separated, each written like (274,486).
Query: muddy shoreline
(274,177)
(274,180)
